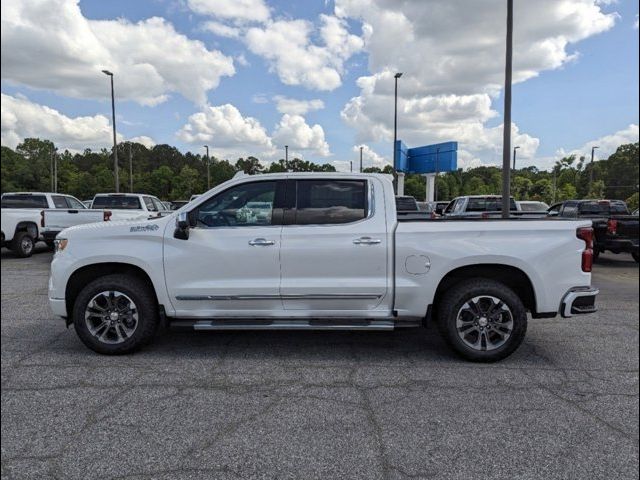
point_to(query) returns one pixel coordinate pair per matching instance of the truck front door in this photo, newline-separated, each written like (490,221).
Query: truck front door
(230,264)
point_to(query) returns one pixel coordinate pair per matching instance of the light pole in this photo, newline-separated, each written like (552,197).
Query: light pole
(395,118)
(591,169)
(435,182)
(351,166)
(115,145)
(360,159)
(506,140)
(208,169)
(515,149)
(514,158)
(130,169)
(286,155)
(400,175)
(52,180)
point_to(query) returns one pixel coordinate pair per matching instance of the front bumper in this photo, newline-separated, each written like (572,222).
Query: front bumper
(58,307)
(50,235)
(579,301)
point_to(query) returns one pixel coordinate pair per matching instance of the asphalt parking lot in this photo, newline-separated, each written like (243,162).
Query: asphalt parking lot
(319,405)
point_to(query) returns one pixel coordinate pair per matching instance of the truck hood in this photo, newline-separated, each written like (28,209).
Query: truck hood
(118,229)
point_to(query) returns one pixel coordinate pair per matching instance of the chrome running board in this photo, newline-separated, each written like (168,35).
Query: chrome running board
(293,325)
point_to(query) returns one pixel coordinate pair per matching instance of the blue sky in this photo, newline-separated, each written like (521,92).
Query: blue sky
(577,62)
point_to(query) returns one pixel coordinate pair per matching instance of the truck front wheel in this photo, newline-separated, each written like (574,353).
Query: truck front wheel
(482,320)
(116,314)
(22,244)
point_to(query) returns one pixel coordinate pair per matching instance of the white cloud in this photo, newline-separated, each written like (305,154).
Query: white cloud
(228,133)
(221,29)
(370,158)
(144,140)
(451,74)
(294,131)
(49,44)
(22,118)
(296,59)
(235,10)
(297,107)
(606,144)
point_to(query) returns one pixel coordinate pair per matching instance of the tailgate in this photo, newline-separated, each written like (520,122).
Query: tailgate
(628,226)
(59,219)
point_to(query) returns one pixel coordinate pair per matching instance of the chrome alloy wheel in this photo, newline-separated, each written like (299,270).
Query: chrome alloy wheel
(111,317)
(484,323)
(26,244)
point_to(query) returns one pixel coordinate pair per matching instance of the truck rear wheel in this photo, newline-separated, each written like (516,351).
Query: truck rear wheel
(22,244)
(636,257)
(482,320)
(116,314)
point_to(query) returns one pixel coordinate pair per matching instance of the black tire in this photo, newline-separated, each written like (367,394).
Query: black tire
(596,254)
(50,244)
(147,308)
(636,257)
(452,303)
(23,244)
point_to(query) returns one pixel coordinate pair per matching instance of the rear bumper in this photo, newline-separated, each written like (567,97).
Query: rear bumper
(621,245)
(579,301)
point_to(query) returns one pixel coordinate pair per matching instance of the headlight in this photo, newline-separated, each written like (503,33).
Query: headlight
(60,244)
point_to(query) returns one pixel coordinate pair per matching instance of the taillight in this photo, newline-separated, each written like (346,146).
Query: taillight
(106,215)
(612,227)
(586,234)
(42,218)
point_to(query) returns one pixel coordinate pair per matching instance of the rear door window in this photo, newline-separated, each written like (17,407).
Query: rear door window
(59,201)
(24,201)
(323,202)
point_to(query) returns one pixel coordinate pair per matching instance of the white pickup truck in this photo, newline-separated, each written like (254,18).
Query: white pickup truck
(105,207)
(22,219)
(330,253)
(126,206)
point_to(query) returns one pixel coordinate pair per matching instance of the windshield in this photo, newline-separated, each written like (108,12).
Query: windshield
(117,202)
(24,201)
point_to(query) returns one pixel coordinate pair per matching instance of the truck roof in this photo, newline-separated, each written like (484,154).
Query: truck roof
(314,174)
(36,193)
(122,194)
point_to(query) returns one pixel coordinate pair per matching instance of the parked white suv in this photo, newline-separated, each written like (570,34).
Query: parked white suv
(319,251)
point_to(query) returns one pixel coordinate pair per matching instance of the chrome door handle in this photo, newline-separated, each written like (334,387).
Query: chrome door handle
(261,242)
(367,241)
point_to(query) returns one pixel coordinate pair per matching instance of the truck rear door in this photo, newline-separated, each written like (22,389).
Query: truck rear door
(334,253)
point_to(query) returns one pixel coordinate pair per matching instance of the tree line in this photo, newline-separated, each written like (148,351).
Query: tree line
(169,174)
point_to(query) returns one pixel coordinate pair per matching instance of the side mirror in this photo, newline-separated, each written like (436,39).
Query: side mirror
(553,213)
(182,227)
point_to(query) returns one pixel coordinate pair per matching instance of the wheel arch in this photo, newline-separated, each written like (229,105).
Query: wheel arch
(27,226)
(511,276)
(87,273)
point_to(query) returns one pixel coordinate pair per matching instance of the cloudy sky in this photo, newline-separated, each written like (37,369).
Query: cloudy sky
(250,76)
